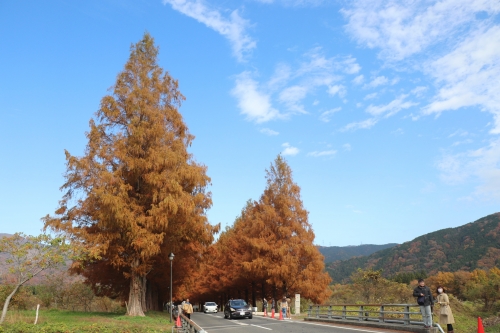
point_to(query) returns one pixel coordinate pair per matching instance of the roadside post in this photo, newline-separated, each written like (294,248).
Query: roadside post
(297,304)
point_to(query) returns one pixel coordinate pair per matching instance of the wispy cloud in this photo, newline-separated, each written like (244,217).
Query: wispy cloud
(403,28)
(359,79)
(481,164)
(289,150)
(253,103)
(347,147)
(370,96)
(365,124)
(392,108)
(232,27)
(322,153)
(337,89)
(378,81)
(289,87)
(326,116)
(293,2)
(269,132)
(469,76)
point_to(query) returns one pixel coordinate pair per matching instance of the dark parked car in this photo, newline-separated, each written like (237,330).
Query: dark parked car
(237,308)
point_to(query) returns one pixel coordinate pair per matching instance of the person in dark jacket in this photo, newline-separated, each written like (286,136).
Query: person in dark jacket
(426,302)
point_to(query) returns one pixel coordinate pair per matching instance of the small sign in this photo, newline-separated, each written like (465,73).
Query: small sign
(297,303)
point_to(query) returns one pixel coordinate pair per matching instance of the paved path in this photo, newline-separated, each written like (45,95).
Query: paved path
(215,323)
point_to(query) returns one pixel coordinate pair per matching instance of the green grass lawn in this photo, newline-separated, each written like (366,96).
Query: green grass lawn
(55,321)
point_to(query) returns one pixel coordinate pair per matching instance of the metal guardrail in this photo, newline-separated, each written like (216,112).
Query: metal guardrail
(381,313)
(187,326)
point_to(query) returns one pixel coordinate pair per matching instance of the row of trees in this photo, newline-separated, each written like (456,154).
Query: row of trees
(137,195)
(269,250)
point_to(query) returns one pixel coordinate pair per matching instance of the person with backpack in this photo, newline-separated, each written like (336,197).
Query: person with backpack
(426,302)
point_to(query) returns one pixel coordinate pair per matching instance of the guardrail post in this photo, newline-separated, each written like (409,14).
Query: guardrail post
(344,312)
(406,317)
(381,318)
(360,313)
(317,312)
(309,312)
(330,312)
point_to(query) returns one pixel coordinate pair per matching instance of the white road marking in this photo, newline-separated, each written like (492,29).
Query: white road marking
(266,328)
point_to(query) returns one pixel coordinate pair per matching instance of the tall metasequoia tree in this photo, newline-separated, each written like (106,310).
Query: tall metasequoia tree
(270,243)
(280,238)
(137,194)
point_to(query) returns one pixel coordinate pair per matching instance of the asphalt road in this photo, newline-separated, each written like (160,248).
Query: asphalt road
(215,323)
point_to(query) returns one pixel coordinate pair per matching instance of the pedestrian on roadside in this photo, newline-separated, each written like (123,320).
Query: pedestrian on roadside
(273,304)
(187,308)
(284,305)
(264,305)
(426,302)
(445,313)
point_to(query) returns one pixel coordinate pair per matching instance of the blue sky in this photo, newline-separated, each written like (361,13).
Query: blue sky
(388,112)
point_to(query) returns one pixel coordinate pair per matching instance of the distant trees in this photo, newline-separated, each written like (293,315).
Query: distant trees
(27,256)
(269,249)
(137,194)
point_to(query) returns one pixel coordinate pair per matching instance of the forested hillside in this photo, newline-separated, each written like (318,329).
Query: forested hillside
(334,253)
(474,245)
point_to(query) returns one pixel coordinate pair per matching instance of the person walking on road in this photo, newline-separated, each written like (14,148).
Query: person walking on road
(445,314)
(426,302)
(187,308)
(284,305)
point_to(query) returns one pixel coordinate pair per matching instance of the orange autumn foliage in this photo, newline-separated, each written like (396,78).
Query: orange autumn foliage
(137,194)
(270,244)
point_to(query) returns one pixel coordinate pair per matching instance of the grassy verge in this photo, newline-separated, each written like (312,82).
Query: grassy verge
(55,321)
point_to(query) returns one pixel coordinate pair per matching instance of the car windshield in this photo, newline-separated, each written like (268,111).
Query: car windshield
(210,304)
(238,303)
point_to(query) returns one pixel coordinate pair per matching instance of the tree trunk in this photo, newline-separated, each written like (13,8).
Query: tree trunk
(144,289)
(254,296)
(134,296)
(6,303)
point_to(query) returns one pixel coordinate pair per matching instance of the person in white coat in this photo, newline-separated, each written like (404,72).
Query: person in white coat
(445,313)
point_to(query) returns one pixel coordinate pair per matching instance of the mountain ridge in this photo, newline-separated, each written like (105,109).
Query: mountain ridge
(467,247)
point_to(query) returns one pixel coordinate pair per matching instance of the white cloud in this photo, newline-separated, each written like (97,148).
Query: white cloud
(401,28)
(347,147)
(292,96)
(365,124)
(280,77)
(378,81)
(358,79)
(325,116)
(370,96)
(398,132)
(293,2)
(253,103)
(269,132)
(458,133)
(482,164)
(418,91)
(289,87)
(469,76)
(350,66)
(233,27)
(322,153)
(392,108)
(337,89)
(289,150)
